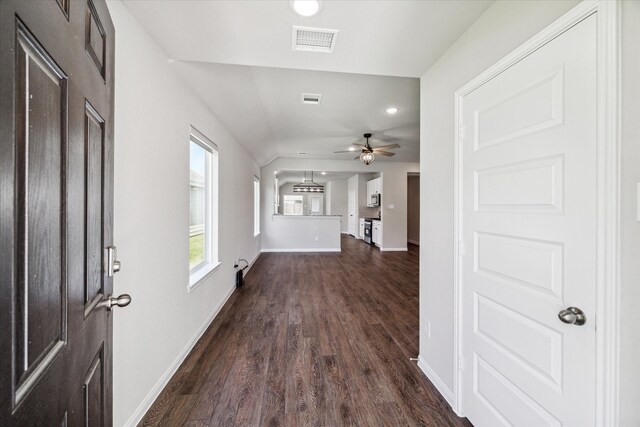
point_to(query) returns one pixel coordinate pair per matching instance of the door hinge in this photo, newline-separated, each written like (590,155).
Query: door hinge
(461,248)
(461,363)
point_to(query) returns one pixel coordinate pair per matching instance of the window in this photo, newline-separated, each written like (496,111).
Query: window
(256,206)
(293,204)
(203,207)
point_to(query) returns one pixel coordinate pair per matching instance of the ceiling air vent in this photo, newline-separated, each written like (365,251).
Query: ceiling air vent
(311,98)
(314,39)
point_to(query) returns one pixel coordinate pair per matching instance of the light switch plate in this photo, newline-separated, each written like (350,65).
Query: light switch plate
(391,206)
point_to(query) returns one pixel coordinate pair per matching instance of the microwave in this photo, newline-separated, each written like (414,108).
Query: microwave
(375,200)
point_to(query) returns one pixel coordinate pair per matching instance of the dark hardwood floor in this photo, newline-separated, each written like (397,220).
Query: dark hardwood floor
(312,339)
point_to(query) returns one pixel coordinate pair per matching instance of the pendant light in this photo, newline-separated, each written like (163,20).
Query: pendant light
(308,186)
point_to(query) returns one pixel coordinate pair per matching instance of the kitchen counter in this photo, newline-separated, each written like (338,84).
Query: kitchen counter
(303,233)
(306,216)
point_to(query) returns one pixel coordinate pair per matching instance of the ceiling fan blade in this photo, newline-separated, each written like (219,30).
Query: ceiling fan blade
(384,153)
(390,146)
(356,157)
(358,145)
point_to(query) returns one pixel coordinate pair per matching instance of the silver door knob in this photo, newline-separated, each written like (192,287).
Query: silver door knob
(121,301)
(572,316)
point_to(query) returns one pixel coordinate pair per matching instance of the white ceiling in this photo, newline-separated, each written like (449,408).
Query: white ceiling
(237,57)
(262,108)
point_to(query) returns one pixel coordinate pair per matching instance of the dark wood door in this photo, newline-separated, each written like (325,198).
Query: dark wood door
(56,203)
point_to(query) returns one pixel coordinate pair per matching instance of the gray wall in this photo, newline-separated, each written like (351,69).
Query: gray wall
(502,28)
(413,208)
(153,111)
(630,225)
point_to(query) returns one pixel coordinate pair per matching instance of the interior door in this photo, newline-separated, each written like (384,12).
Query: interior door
(352,212)
(529,233)
(315,204)
(56,198)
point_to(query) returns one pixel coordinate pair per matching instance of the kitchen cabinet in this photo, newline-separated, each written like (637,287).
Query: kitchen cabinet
(377,185)
(374,186)
(376,232)
(361,235)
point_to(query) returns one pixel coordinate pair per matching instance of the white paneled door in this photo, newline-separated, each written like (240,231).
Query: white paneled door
(528,203)
(315,204)
(352,213)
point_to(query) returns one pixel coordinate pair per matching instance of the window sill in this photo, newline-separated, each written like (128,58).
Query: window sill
(198,277)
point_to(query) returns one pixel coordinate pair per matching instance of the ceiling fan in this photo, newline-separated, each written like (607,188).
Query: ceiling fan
(368,152)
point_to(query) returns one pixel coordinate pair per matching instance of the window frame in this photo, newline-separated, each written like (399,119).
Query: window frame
(211,261)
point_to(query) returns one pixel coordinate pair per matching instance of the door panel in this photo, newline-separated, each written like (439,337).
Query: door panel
(56,174)
(93,391)
(352,213)
(315,205)
(529,223)
(39,304)
(93,148)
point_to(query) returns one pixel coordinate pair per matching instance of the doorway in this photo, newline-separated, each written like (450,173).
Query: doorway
(413,208)
(526,266)
(352,212)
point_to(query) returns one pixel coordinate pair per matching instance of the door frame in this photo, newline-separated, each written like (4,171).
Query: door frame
(607,316)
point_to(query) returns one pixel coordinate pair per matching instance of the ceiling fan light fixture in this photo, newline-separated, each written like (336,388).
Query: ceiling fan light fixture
(367,158)
(306,8)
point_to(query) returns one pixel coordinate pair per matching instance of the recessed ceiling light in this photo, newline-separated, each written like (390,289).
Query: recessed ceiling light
(323,173)
(392,110)
(352,148)
(305,8)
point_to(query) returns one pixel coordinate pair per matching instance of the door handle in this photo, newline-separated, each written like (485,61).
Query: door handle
(120,301)
(572,316)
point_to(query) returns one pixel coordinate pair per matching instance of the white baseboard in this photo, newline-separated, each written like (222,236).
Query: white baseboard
(251,264)
(383,249)
(414,242)
(304,250)
(436,380)
(151,397)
